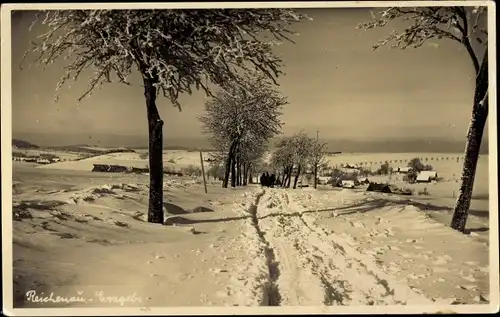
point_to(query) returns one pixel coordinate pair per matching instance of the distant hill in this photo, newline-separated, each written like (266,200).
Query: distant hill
(20,144)
(345,145)
(89,150)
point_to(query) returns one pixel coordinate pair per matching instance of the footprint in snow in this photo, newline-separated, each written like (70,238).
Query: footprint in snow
(468,287)
(357,224)
(469,278)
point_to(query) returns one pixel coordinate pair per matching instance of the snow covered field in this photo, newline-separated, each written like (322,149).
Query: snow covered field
(443,193)
(83,234)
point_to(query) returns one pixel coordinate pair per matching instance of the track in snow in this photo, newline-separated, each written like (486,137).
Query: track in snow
(307,266)
(272,296)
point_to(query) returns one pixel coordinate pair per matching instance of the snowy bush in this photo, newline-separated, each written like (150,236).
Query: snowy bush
(424,192)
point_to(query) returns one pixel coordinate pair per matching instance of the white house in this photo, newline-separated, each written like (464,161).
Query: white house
(426,176)
(350,166)
(348,184)
(323,179)
(403,170)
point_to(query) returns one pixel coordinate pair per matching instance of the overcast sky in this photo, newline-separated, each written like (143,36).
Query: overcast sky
(334,82)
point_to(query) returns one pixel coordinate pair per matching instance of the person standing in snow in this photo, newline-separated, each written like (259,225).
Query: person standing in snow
(263,179)
(272,180)
(268,178)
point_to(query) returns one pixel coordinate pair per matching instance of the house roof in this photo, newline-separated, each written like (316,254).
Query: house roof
(348,181)
(423,177)
(379,187)
(428,173)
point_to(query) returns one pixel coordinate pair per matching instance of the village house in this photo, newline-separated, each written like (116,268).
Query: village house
(43,161)
(348,184)
(403,170)
(323,179)
(426,176)
(350,166)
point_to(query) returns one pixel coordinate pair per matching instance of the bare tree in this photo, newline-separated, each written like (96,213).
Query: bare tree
(173,50)
(282,160)
(317,158)
(468,27)
(292,152)
(301,145)
(242,117)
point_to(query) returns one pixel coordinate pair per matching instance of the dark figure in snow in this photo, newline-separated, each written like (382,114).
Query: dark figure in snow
(263,179)
(272,180)
(268,180)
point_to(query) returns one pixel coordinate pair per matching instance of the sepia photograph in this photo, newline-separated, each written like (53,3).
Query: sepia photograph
(311,157)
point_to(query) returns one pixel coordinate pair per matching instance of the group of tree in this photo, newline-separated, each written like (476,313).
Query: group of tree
(338,175)
(384,169)
(175,51)
(416,165)
(241,119)
(295,155)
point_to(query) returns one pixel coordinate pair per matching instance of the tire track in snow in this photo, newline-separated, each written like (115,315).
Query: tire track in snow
(298,286)
(271,296)
(254,282)
(316,270)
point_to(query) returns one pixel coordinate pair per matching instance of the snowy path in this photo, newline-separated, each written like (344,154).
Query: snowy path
(307,266)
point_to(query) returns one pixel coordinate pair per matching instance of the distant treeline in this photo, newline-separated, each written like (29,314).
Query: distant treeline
(178,148)
(80,149)
(20,144)
(328,152)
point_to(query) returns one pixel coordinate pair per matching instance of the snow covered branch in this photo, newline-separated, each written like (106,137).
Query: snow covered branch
(460,24)
(242,117)
(176,49)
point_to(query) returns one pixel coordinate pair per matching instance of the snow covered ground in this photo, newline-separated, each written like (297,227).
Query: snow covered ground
(83,234)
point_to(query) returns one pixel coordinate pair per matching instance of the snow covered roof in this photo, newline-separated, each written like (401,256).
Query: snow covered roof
(423,177)
(348,181)
(428,173)
(404,169)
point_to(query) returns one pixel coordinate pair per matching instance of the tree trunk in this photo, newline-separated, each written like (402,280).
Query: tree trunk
(245,174)
(285,174)
(474,137)
(155,135)
(225,182)
(242,174)
(233,173)
(238,171)
(289,176)
(315,176)
(296,177)
(250,174)
(472,148)
(229,159)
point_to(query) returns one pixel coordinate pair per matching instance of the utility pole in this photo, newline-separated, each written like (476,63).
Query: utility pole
(316,162)
(203,172)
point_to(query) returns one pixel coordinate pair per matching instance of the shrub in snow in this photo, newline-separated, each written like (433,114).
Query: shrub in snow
(424,192)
